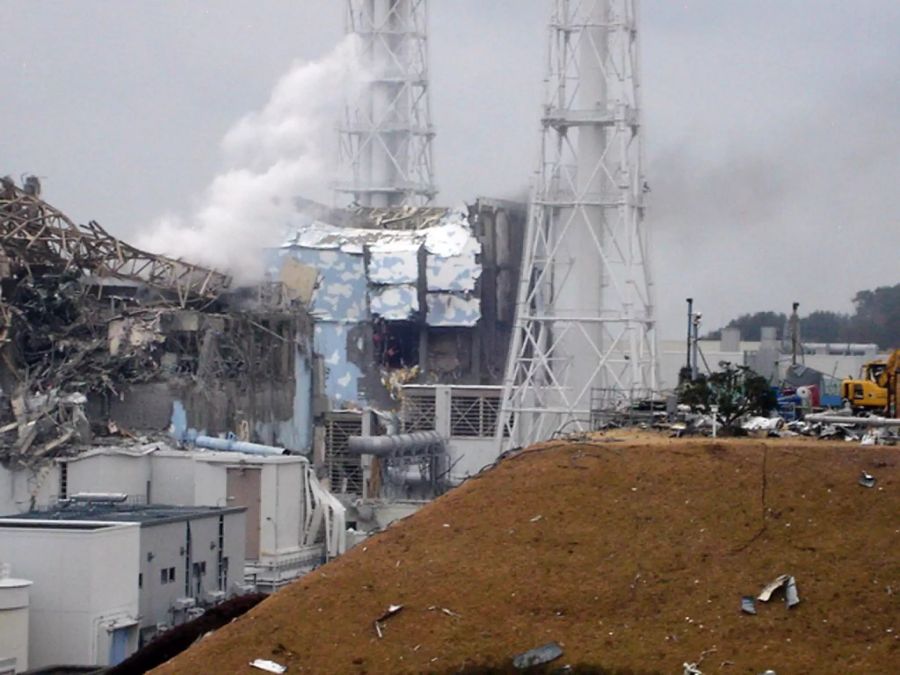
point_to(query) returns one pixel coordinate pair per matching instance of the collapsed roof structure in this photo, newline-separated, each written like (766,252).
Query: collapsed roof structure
(86,320)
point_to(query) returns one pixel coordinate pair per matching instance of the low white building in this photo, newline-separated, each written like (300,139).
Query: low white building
(284,511)
(84,602)
(188,558)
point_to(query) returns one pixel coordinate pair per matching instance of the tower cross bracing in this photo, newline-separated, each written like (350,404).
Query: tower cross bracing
(584,315)
(385,152)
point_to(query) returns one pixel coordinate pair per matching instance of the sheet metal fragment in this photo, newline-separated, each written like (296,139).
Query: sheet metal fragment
(867,480)
(748,604)
(268,666)
(537,656)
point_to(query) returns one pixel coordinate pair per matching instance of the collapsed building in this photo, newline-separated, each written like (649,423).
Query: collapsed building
(371,322)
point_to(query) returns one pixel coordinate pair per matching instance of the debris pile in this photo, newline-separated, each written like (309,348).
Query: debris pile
(625,555)
(84,315)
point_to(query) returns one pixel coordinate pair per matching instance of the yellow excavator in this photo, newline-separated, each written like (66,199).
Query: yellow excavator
(878,386)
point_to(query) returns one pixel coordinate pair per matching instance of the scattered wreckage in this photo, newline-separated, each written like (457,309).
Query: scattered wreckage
(83,316)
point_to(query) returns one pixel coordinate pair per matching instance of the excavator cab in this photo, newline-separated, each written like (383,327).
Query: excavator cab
(876,386)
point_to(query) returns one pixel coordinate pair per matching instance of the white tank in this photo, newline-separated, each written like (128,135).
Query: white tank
(13,618)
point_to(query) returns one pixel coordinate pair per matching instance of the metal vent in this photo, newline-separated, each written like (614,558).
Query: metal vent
(344,470)
(418,411)
(474,415)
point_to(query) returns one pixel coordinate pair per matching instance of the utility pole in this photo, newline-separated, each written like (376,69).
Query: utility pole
(384,152)
(585,316)
(795,334)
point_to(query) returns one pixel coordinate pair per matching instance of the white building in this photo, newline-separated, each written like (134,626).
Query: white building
(188,558)
(84,604)
(284,509)
(14,606)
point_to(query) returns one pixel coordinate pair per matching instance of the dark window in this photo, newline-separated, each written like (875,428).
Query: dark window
(140,580)
(171,574)
(163,576)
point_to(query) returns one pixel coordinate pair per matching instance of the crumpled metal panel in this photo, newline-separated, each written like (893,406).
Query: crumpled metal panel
(319,235)
(454,272)
(451,309)
(394,263)
(341,375)
(340,294)
(394,303)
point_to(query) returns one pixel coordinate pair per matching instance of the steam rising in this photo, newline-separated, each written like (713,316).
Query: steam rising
(271,157)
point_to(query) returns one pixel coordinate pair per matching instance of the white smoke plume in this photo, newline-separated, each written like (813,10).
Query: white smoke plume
(271,157)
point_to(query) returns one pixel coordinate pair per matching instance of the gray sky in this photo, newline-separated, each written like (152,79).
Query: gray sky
(772,127)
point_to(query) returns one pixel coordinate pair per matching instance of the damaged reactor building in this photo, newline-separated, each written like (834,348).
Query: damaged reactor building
(354,384)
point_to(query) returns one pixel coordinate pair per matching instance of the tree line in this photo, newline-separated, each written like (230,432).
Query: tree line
(876,318)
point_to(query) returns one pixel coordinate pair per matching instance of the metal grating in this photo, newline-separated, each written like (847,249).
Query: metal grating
(418,411)
(344,470)
(474,415)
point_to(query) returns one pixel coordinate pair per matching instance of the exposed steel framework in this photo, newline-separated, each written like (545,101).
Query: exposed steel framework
(386,134)
(584,316)
(32,232)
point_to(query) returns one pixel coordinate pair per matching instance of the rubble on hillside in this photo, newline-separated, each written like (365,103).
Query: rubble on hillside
(642,549)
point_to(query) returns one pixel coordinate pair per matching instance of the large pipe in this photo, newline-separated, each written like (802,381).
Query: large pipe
(858,421)
(234,445)
(400,444)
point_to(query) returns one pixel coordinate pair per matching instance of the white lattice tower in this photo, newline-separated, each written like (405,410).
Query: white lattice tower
(385,153)
(584,317)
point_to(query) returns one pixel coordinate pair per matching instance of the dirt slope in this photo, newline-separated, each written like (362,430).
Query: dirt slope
(631,554)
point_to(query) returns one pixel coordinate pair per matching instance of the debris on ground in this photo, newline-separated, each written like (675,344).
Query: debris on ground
(538,656)
(748,604)
(393,610)
(867,480)
(785,583)
(268,666)
(614,579)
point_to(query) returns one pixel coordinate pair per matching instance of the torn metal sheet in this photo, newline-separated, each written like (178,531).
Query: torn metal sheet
(454,273)
(867,480)
(299,280)
(748,604)
(340,294)
(395,303)
(268,666)
(785,582)
(538,656)
(391,611)
(450,309)
(766,593)
(394,264)
(341,374)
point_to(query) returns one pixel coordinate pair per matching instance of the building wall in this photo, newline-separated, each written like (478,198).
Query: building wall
(110,473)
(165,546)
(281,507)
(27,488)
(85,583)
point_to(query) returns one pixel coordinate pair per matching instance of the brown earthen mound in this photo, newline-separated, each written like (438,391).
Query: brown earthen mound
(631,555)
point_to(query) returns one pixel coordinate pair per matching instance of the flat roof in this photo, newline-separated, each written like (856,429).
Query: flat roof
(105,512)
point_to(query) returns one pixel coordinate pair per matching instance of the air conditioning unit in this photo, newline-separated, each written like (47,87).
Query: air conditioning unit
(181,604)
(215,597)
(195,612)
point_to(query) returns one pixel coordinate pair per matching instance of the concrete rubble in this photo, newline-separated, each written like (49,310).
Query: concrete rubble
(88,323)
